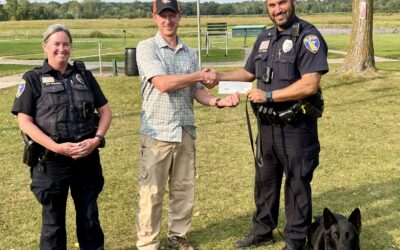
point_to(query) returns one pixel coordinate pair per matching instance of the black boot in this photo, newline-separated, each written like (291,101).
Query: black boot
(251,241)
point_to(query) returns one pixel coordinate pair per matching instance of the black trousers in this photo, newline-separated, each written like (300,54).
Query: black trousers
(51,182)
(292,149)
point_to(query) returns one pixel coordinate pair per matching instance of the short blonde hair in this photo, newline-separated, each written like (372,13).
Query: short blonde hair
(54,28)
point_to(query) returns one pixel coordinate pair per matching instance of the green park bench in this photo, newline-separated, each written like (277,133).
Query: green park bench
(247,31)
(217,33)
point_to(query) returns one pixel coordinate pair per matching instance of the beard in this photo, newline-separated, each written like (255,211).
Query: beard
(283,19)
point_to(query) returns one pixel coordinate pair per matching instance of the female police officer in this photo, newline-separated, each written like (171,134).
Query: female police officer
(55,105)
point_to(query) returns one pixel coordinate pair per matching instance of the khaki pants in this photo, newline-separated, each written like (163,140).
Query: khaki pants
(162,161)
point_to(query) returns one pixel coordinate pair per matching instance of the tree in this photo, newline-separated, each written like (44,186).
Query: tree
(23,11)
(11,8)
(224,9)
(52,10)
(74,8)
(209,8)
(3,14)
(360,56)
(91,8)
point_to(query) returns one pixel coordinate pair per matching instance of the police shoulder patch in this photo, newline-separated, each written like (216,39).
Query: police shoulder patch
(21,88)
(311,42)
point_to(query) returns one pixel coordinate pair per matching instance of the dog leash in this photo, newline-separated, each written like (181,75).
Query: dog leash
(257,154)
(258,161)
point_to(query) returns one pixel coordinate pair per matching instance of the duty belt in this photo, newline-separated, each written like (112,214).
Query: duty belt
(80,138)
(48,154)
(269,115)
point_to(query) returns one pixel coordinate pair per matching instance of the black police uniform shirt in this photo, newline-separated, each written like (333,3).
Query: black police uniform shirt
(288,54)
(30,88)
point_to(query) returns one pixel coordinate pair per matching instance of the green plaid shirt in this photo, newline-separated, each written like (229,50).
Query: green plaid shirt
(164,115)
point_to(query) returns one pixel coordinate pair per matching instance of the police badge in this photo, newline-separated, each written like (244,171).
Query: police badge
(79,78)
(287,45)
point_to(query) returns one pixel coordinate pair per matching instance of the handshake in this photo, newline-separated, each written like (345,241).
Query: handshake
(210,78)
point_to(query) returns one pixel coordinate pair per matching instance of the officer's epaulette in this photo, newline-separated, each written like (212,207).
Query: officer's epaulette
(79,65)
(270,31)
(37,70)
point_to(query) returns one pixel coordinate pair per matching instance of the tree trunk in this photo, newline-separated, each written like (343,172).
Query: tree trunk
(360,56)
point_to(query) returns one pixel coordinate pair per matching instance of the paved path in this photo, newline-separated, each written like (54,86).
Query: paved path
(12,80)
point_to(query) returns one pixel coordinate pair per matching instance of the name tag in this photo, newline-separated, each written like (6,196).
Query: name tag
(47,79)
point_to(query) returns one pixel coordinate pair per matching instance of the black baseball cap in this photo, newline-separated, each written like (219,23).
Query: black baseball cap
(160,5)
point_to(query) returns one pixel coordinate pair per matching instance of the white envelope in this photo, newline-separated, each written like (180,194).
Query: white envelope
(230,87)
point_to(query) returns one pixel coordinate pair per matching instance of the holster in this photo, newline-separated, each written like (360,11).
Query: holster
(313,106)
(310,110)
(32,151)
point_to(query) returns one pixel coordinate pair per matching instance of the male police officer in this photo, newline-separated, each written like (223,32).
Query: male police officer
(287,61)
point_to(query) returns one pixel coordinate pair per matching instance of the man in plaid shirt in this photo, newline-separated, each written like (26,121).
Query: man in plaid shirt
(171,81)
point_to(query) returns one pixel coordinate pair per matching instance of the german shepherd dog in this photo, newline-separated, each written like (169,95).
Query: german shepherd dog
(334,231)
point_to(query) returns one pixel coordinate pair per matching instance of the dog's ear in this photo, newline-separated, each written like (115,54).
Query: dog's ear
(355,219)
(329,218)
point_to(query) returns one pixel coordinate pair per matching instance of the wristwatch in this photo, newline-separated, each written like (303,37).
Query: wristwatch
(268,96)
(102,141)
(216,103)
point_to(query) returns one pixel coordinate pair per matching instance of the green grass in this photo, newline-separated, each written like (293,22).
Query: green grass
(22,39)
(215,55)
(335,55)
(385,45)
(120,57)
(11,69)
(218,55)
(30,49)
(140,27)
(20,47)
(359,167)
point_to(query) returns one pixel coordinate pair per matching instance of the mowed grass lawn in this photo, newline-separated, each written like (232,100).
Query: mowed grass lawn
(21,39)
(385,45)
(11,69)
(140,27)
(359,167)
